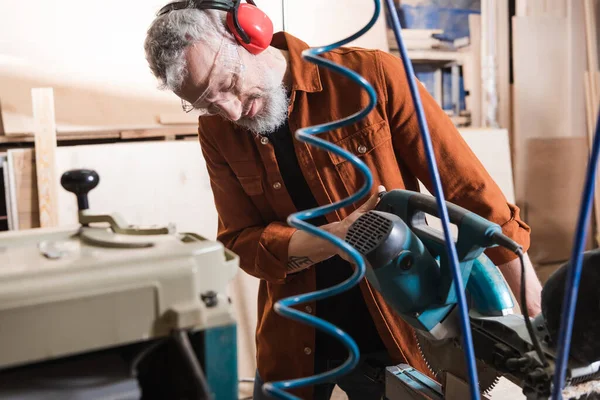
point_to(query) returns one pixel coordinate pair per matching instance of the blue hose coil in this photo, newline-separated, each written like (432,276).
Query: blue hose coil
(297,220)
(574,272)
(441,204)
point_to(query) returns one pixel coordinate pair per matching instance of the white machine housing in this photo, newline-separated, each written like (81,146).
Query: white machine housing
(66,291)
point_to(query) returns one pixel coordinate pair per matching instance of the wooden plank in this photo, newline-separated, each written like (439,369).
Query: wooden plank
(472,70)
(540,88)
(576,114)
(521,8)
(438,92)
(101,135)
(488,70)
(592,49)
(24,193)
(164,132)
(556,169)
(45,151)
(503,62)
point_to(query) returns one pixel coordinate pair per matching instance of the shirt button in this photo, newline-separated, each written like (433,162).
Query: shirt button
(308,309)
(264,140)
(362,149)
(307,351)
(277,185)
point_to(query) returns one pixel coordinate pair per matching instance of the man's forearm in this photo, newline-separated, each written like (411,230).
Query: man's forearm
(305,249)
(512,273)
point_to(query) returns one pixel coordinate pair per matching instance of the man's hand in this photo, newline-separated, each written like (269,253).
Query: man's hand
(343,226)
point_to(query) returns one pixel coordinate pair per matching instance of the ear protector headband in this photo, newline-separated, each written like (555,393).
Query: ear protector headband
(250,26)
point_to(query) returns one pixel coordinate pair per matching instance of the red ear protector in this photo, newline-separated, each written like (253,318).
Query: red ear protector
(250,26)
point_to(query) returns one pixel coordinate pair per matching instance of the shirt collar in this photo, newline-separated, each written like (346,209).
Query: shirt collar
(305,75)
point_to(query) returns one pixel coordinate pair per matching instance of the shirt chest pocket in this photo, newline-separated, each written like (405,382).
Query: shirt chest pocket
(251,180)
(363,142)
(373,146)
(252,185)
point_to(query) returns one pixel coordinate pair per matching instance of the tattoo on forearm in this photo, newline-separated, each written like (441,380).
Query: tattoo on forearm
(298,263)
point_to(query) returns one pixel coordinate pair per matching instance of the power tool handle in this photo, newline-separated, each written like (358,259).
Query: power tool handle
(428,204)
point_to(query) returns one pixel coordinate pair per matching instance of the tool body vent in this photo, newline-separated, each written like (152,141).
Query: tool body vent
(368,231)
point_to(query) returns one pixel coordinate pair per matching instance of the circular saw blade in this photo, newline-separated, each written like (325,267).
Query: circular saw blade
(447,356)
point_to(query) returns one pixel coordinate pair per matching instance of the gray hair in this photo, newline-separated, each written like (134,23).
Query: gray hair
(171,34)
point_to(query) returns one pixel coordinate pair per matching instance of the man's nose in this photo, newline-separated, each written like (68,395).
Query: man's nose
(231,109)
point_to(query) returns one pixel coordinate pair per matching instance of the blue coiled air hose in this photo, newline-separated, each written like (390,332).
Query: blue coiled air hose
(284,307)
(297,220)
(574,272)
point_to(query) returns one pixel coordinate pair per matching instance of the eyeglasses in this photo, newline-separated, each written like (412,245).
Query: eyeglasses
(225,75)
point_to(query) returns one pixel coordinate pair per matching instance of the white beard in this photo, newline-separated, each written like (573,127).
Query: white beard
(275,107)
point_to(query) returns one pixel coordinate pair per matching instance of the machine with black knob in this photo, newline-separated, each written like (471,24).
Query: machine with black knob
(77,294)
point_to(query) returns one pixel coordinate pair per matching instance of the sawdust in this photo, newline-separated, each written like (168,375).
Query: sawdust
(584,391)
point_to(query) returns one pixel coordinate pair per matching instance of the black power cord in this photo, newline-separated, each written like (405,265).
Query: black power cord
(532,335)
(181,338)
(505,241)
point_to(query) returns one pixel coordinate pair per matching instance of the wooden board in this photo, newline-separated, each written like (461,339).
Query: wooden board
(503,62)
(472,71)
(24,193)
(556,169)
(540,87)
(592,49)
(45,150)
(576,67)
(489,107)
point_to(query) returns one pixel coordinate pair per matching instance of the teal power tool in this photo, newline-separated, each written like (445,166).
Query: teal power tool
(407,264)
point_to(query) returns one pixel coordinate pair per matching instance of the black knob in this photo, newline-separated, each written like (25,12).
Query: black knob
(209,298)
(80,182)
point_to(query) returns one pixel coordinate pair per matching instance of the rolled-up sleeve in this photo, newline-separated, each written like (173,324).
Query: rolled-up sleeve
(262,247)
(465,181)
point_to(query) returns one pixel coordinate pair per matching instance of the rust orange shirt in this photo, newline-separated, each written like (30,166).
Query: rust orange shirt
(253,203)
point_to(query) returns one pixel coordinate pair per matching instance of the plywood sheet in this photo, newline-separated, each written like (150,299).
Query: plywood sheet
(555,178)
(540,87)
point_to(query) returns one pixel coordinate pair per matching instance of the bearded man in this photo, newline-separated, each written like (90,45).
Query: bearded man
(249,107)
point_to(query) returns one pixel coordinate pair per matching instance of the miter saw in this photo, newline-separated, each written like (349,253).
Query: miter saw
(109,310)
(407,264)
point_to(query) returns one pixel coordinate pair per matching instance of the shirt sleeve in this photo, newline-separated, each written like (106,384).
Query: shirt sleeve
(464,180)
(262,247)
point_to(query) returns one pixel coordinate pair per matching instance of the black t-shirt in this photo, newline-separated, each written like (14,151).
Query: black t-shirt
(347,310)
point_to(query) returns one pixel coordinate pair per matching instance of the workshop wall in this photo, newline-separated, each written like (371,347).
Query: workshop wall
(93,57)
